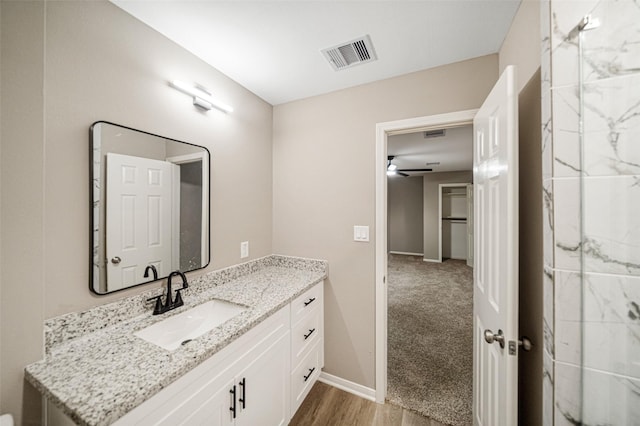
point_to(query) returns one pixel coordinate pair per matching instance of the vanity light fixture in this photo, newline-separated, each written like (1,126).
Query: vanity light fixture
(201,97)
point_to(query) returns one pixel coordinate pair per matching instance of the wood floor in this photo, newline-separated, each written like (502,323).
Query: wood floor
(326,405)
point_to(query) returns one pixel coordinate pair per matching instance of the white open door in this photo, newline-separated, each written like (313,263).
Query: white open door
(495,281)
(139,220)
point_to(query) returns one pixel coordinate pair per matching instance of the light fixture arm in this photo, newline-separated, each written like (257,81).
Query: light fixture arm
(201,97)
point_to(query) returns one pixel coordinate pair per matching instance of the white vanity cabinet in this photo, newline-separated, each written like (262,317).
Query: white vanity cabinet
(259,379)
(245,383)
(307,343)
(256,395)
(262,390)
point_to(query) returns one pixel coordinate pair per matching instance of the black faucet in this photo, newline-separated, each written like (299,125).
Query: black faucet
(154,271)
(170,304)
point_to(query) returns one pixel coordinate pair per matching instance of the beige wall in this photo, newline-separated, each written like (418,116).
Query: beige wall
(404,214)
(64,66)
(521,46)
(106,72)
(21,175)
(323,175)
(431,188)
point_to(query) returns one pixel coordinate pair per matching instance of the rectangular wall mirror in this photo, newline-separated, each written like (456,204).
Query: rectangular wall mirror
(149,207)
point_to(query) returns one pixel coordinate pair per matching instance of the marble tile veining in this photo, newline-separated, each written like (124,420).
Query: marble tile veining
(96,374)
(547,386)
(547,223)
(611,241)
(610,399)
(567,395)
(612,323)
(612,126)
(566,223)
(565,16)
(548,311)
(613,48)
(566,136)
(568,317)
(546,131)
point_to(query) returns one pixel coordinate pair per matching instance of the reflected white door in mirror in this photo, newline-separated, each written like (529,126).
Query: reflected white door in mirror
(140,218)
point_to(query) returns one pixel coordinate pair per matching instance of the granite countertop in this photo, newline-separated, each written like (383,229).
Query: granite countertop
(96,370)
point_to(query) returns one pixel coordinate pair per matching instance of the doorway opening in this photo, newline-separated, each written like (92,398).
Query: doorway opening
(192,212)
(429,277)
(403,256)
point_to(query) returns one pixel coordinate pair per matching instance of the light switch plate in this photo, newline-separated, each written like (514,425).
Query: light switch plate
(360,233)
(244,249)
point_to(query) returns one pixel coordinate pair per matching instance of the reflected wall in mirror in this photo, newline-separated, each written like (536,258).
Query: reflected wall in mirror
(149,207)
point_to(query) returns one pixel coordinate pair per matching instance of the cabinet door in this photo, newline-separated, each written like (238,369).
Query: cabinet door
(263,387)
(305,375)
(215,411)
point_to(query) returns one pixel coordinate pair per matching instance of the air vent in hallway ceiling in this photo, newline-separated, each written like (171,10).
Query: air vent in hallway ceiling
(434,133)
(349,54)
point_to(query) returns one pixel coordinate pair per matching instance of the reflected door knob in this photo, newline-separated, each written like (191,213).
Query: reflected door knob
(115,260)
(489,337)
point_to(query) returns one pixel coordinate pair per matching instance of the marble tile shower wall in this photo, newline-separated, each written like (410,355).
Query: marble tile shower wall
(591,320)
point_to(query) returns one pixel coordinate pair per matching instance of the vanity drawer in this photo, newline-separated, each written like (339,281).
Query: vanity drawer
(304,335)
(305,375)
(306,302)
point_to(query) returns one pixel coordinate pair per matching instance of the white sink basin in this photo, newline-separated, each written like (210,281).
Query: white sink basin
(179,329)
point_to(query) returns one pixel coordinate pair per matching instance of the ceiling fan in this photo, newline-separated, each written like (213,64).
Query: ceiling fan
(392,169)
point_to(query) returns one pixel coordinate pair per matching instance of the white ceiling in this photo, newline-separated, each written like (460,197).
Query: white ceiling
(453,151)
(273,47)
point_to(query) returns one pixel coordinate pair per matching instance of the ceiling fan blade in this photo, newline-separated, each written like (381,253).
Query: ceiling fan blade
(414,170)
(402,174)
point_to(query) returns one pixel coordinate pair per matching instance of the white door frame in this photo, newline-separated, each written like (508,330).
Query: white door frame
(383,130)
(192,158)
(440,187)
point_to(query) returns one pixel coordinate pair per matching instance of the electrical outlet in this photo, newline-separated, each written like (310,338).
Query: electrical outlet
(244,249)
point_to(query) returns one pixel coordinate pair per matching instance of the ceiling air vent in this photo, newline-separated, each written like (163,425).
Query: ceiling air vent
(434,133)
(349,54)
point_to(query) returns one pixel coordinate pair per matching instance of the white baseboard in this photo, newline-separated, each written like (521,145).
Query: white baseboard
(406,253)
(431,260)
(347,386)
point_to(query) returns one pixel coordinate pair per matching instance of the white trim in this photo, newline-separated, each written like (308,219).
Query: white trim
(382,131)
(192,158)
(381,261)
(406,253)
(440,222)
(440,187)
(432,260)
(348,386)
(187,158)
(175,217)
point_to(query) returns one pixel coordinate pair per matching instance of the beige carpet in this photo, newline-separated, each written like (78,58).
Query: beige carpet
(430,333)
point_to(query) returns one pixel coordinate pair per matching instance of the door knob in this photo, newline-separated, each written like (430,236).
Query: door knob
(489,337)
(526,344)
(115,260)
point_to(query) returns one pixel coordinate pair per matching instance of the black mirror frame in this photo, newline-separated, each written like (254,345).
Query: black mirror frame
(92,224)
